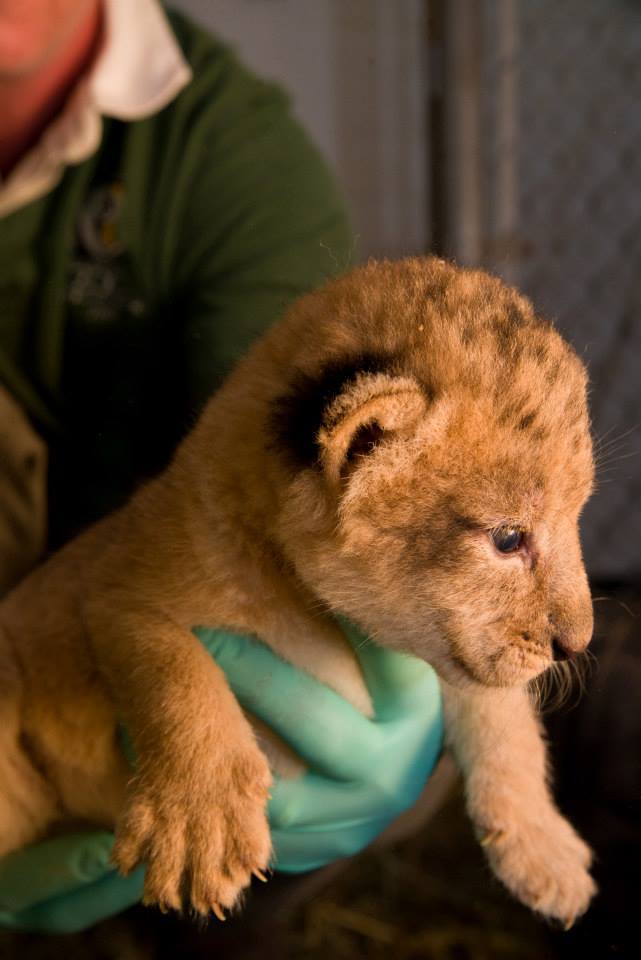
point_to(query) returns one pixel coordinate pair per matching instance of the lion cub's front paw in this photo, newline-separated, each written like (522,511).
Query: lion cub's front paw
(202,831)
(544,863)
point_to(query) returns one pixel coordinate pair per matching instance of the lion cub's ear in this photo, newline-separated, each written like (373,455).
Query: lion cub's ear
(369,408)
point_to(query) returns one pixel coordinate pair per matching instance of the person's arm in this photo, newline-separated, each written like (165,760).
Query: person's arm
(252,215)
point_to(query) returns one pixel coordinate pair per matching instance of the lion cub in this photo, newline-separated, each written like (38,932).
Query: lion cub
(409,447)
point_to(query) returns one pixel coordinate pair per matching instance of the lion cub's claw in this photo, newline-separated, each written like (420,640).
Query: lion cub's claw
(201,838)
(544,864)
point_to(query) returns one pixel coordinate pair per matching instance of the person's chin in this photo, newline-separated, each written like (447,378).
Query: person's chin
(19,61)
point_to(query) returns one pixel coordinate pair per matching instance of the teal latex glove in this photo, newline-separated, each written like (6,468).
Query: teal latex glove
(65,884)
(362,774)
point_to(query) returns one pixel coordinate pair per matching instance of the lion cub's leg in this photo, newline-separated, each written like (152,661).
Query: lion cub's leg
(531,847)
(27,803)
(195,808)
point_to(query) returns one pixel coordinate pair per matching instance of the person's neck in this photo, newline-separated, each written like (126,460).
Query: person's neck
(29,103)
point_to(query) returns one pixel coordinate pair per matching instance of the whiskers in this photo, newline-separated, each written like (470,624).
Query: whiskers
(611,451)
(562,684)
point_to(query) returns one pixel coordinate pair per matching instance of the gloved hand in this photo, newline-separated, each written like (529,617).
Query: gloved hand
(363,773)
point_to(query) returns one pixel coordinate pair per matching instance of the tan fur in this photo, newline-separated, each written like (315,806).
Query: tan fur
(479,419)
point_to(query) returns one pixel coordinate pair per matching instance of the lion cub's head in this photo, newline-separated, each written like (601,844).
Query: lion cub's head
(436,454)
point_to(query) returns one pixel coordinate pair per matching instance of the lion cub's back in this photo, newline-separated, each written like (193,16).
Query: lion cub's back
(67,718)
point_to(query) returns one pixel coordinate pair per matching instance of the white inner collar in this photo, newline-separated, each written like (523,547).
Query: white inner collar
(139,69)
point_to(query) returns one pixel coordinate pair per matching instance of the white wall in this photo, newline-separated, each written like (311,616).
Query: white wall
(356,72)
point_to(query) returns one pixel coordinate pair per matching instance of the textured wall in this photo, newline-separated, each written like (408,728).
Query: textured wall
(356,71)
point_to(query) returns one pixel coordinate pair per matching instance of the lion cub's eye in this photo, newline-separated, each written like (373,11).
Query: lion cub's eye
(508,539)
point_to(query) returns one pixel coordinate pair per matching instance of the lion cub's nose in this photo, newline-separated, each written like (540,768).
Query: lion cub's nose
(561,650)
(570,632)
(569,640)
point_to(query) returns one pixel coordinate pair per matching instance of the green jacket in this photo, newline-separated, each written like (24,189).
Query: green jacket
(128,292)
